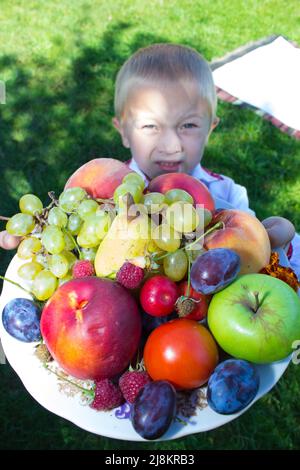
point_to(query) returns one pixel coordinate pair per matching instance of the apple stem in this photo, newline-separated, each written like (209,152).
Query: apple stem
(257,303)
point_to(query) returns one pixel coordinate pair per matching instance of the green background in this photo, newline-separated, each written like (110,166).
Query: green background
(59,60)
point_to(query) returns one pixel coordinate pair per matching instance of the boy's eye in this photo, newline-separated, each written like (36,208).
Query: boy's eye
(149,126)
(189,125)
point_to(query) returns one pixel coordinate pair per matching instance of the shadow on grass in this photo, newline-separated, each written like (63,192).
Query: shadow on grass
(51,126)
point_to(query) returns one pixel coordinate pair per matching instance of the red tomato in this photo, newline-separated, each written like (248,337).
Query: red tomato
(158,296)
(183,352)
(200,310)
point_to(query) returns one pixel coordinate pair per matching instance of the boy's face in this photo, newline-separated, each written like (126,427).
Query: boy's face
(166,127)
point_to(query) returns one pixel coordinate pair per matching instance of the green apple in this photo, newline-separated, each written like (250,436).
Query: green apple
(256,318)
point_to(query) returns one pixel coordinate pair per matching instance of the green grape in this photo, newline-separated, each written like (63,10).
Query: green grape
(134,178)
(125,188)
(53,239)
(41,258)
(30,204)
(86,208)
(29,247)
(20,224)
(89,253)
(207,217)
(166,238)
(152,247)
(69,241)
(28,271)
(178,195)
(66,278)
(70,199)
(94,229)
(175,265)
(102,222)
(154,202)
(44,285)
(74,224)
(57,217)
(59,265)
(70,257)
(182,217)
(87,237)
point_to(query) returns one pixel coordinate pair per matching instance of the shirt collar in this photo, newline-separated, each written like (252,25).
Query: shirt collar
(203,175)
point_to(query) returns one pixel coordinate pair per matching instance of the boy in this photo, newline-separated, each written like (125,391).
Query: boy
(165,106)
(165,110)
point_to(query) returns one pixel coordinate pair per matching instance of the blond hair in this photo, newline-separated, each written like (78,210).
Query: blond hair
(165,63)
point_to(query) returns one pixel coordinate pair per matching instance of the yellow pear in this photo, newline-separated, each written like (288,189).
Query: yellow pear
(126,239)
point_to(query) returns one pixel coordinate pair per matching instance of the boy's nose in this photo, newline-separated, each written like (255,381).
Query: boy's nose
(169,142)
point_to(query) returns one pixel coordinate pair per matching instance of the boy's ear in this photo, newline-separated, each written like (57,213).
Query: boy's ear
(214,123)
(117,125)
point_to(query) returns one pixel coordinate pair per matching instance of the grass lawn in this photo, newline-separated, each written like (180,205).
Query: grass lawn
(58,60)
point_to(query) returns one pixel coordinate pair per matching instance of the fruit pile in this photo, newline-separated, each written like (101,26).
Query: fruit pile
(154,273)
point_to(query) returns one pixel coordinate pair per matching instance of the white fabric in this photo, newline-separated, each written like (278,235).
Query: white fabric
(295,258)
(224,188)
(234,194)
(268,78)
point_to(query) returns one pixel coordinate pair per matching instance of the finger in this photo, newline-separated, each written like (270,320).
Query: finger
(8,241)
(280,230)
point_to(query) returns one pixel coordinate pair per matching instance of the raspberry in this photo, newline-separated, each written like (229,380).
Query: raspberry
(130,276)
(83,268)
(107,395)
(131,383)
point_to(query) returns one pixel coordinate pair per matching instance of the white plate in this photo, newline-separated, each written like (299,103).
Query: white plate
(43,386)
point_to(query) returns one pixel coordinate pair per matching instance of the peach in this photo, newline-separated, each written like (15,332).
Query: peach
(194,187)
(244,234)
(99,177)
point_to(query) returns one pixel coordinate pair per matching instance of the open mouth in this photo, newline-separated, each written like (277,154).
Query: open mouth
(169,166)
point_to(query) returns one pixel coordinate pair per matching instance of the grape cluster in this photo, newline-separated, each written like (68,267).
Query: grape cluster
(54,237)
(176,223)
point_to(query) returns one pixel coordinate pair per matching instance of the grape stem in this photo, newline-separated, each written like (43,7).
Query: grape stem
(180,420)
(74,241)
(86,391)
(54,201)
(188,247)
(104,201)
(15,284)
(4,218)
(189,274)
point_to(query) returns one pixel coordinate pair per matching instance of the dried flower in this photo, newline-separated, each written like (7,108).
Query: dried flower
(281,272)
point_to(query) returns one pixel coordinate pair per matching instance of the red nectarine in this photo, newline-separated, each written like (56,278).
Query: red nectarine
(91,327)
(194,187)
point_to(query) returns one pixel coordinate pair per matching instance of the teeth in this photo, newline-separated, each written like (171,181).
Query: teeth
(169,164)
